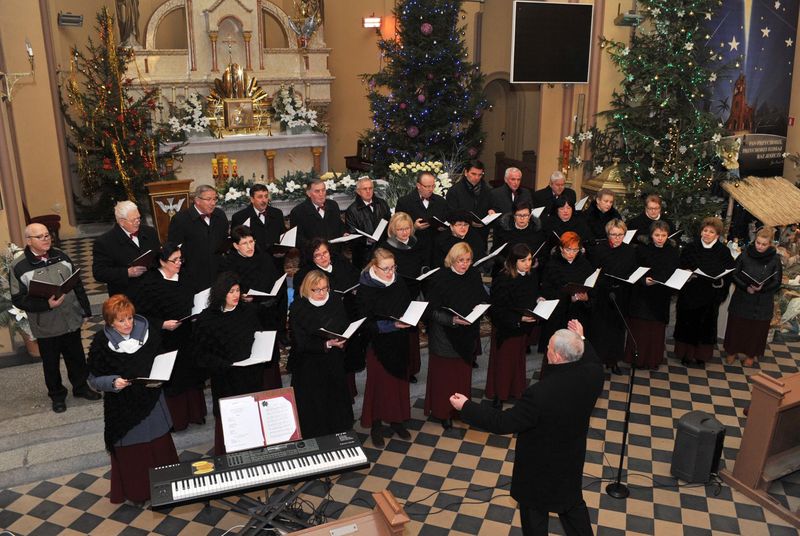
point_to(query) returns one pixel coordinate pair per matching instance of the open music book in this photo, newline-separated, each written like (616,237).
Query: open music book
(629,236)
(698,271)
(376,235)
(490,255)
(42,289)
(259,419)
(413,313)
(200,304)
(474,315)
(634,277)
(428,273)
(161,369)
(272,293)
(288,239)
(145,260)
(678,278)
(347,290)
(543,309)
(581,203)
(261,351)
(351,329)
(345,238)
(537,212)
(574,288)
(756,281)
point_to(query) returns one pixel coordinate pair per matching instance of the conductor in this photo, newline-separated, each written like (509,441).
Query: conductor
(552,420)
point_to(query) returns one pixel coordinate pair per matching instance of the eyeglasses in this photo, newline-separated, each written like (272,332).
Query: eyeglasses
(178,260)
(616,235)
(571,250)
(134,220)
(321,254)
(45,236)
(320,290)
(215,198)
(388,269)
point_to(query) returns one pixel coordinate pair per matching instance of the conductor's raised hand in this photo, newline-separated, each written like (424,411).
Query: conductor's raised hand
(457,400)
(576,326)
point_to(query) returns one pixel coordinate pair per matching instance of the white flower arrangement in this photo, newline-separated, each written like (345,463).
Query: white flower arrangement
(291,111)
(189,116)
(403,176)
(15,319)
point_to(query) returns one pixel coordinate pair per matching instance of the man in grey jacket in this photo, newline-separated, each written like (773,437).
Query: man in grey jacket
(55,322)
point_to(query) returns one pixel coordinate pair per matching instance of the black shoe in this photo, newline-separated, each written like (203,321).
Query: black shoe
(376,434)
(615,369)
(685,362)
(412,379)
(400,430)
(496,403)
(59,406)
(447,424)
(700,364)
(88,394)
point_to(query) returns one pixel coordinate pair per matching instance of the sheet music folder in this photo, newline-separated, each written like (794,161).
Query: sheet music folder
(259,419)
(42,289)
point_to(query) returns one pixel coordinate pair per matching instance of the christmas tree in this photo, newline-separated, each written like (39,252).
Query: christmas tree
(661,136)
(112,129)
(426,101)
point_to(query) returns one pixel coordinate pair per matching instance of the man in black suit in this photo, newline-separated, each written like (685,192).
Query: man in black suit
(552,420)
(317,216)
(471,193)
(365,213)
(202,231)
(265,221)
(422,205)
(557,189)
(502,198)
(114,250)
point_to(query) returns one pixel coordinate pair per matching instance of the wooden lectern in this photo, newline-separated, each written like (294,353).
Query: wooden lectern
(387,519)
(167,198)
(770,446)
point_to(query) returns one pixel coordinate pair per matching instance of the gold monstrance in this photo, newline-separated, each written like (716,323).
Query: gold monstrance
(237,104)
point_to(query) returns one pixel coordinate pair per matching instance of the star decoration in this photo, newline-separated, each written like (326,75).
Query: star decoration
(708,16)
(734,44)
(688,46)
(712,77)
(765,32)
(777,4)
(789,42)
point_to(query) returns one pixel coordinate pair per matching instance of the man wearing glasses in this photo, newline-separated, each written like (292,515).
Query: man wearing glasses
(115,249)
(56,323)
(202,231)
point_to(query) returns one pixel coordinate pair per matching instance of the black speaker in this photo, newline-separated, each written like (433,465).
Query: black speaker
(698,447)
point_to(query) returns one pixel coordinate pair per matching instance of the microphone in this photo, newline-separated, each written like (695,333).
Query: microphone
(613,298)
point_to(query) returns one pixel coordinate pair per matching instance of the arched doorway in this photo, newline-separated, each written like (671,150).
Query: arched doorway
(495,120)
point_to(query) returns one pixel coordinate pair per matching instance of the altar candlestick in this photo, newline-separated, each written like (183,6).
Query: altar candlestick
(214,168)
(234,168)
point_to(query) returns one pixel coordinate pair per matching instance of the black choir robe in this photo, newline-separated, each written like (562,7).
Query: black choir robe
(202,245)
(112,254)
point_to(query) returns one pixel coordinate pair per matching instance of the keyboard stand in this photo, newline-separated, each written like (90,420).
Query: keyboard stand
(263,514)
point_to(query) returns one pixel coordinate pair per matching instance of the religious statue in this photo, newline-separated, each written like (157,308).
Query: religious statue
(128,19)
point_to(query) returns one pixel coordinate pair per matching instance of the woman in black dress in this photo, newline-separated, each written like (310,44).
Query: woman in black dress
(460,230)
(452,341)
(567,265)
(757,278)
(382,295)
(618,259)
(256,271)
(317,362)
(164,300)
(515,292)
(566,220)
(410,259)
(137,422)
(699,299)
(521,227)
(650,301)
(224,334)
(601,212)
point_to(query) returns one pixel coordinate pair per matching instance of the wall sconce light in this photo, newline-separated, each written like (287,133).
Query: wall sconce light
(69,19)
(10,79)
(372,22)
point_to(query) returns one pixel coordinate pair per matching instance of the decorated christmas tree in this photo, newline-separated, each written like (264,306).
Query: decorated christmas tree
(659,132)
(112,130)
(426,101)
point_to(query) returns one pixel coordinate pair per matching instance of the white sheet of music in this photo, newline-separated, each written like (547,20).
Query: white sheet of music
(698,271)
(489,218)
(581,203)
(476,313)
(376,235)
(629,236)
(238,415)
(635,276)
(537,212)
(277,420)
(490,255)
(413,313)
(545,308)
(261,351)
(289,238)
(592,279)
(201,301)
(346,238)
(428,273)
(678,278)
(162,367)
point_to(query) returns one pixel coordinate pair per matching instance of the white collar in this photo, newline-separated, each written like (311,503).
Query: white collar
(329,269)
(319,303)
(374,275)
(173,278)
(453,268)
(708,246)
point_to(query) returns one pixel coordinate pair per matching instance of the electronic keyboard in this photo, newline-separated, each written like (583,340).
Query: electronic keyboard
(244,471)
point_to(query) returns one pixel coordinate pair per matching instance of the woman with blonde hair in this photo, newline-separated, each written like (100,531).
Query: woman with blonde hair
(452,341)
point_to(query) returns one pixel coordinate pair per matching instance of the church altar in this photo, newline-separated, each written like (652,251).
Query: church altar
(262,155)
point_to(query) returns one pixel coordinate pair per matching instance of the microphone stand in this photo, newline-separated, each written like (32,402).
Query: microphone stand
(617,489)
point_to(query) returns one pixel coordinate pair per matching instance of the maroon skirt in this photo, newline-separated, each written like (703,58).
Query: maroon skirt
(130,475)
(414,361)
(649,335)
(700,352)
(506,376)
(386,397)
(272,375)
(744,336)
(446,375)
(187,407)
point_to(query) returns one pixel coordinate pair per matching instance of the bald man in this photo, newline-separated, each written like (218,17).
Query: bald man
(55,322)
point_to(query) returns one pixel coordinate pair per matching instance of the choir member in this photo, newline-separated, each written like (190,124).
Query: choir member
(648,315)
(401,241)
(382,295)
(515,291)
(364,214)
(472,194)
(618,259)
(699,299)
(224,334)
(202,231)
(521,227)
(256,271)
(452,341)
(423,205)
(316,216)
(601,212)
(137,422)
(264,220)
(114,250)
(652,212)
(317,362)
(460,230)
(547,196)
(568,264)
(757,278)
(505,196)
(165,300)
(564,219)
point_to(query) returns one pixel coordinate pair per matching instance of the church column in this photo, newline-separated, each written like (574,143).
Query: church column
(247,36)
(270,155)
(317,153)
(213,34)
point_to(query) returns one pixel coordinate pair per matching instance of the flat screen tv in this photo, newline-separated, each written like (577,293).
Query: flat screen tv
(551,42)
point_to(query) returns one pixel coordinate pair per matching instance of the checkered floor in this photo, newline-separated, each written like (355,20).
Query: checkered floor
(80,251)
(457,481)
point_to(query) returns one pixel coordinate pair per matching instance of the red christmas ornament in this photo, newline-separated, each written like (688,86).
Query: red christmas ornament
(121,118)
(403,105)
(107,164)
(421,98)
(426,28)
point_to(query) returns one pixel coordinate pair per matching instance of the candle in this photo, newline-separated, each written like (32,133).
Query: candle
(225,167)
(214,169)
(234,168)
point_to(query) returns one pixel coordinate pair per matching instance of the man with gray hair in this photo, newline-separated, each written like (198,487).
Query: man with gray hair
(365,213)
(114,250)
(202,229)
(552,420)
(505,196)
(557,189)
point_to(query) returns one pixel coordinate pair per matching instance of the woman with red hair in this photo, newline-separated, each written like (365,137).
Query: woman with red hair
(567,265)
